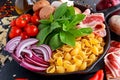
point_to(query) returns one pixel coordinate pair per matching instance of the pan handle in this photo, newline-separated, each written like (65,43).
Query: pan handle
(110,10)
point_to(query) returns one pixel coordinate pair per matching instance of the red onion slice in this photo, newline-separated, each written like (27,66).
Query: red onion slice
(16,58)
(12,44)
(31,61)
(28,51)
(44,52)
(48,49)
(25,43)
(38,59)
(32,67)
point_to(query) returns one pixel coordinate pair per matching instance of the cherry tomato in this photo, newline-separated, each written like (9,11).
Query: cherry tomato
(24,35)
(35,19)
(26,17)
(12,23)
(21,22)
(31,30)
(15,31)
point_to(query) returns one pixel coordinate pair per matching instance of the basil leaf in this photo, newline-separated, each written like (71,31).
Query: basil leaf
(77,19)
(46,31)
(43,34)
(60,28)
(81,32)
(86,30)
(55,31)
(47,21)
(64,27)
(41,26)
(51,18)
(54,25)
(67,38)
(60,11)
(70,11)
(55,42)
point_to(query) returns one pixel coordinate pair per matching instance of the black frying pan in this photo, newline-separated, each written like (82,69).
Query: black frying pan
(115,10)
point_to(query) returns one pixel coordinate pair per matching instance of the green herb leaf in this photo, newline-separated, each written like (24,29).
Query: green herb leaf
(70,11)
(60,11)
(81,32)
(55,42)
(54,25)
(55,31)
(41,26)
(67,38)
(60,28)
(77,19)
(44,32)
(64,27)
(47,21)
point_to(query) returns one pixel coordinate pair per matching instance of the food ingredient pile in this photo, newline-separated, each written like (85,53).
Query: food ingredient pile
(6,11)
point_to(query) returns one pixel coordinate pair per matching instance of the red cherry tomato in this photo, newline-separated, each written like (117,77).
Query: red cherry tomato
(12,23)
(15,31)
(26,17)
(20,22)
(35,19)
(24,35)
(31,30)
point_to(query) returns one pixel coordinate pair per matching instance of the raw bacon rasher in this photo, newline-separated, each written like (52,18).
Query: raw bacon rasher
(112,61)
(95,21)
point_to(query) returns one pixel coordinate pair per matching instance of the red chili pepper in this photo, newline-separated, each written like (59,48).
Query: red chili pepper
(99,75)
(21,79)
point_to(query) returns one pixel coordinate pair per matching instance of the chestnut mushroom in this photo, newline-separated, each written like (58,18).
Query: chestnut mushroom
(46,11)
(115,24)
(40,4)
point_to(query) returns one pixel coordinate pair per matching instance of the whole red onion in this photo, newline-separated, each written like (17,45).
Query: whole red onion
(104,4)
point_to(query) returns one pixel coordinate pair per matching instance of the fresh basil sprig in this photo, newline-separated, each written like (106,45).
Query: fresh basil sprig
(60,28)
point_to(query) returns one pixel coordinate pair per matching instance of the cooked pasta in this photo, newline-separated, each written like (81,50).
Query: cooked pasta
(86,51)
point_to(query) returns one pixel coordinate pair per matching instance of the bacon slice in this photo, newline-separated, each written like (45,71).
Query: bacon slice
(94,17)
(95,21)
(112,62)
(87,12)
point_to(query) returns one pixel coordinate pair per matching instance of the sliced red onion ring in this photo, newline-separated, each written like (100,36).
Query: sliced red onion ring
(32,67)
(28,51)
(23,44)
(16,58)
(12,44)
(44,52)
(38,59)
(48,49)
(31,61)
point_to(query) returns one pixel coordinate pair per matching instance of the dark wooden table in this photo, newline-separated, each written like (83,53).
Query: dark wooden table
(12,70)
